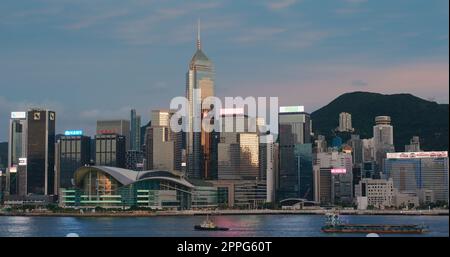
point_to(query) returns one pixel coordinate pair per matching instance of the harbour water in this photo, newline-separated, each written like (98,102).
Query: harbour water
(183,226)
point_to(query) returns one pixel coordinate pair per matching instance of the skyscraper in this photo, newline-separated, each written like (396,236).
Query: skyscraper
(238,152)
(419,171)
(163,145)
(39,177)
(72,152)
(135,131)
(295,150)
(16,151)
(198,143)
(383,139)
(339,166)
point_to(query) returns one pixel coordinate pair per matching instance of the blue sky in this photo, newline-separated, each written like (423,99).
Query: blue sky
(91,59)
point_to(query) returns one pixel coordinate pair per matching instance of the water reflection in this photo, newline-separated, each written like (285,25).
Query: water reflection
(183,226)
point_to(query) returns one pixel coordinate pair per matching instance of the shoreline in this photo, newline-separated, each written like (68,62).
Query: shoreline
(228,212)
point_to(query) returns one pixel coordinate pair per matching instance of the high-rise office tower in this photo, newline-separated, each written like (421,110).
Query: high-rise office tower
(163,146)
(198,143)
(73,150)
(418,172)
(120,127)
(39,177)
(135,131)
(238,151)
(383,139)
(295,150)
(110,150)
(16,151)
(357,149)
(345,122)
(339,166)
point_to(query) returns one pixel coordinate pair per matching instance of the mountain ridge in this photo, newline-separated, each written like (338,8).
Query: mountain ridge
(411,116)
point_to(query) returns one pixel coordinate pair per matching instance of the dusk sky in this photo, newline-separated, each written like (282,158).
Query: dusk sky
(89,59)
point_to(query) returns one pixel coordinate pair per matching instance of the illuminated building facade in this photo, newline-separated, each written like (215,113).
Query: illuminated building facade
(111,187)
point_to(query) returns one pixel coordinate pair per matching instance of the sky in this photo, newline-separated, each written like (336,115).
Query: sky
(97,59)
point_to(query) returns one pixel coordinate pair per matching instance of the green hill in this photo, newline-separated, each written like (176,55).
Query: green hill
(410,116)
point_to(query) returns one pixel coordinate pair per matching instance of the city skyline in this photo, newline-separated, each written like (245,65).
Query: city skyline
(84,75)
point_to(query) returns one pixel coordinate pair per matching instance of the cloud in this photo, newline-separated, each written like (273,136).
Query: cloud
(258,34)
(143,30)
(356,1)
(351,7)
(280,4)
(92,20)
(359,83)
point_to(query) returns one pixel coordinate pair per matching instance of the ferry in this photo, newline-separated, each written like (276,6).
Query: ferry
(209,225)
(334,225)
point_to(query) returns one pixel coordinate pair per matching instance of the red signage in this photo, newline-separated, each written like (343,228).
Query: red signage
(416,155)
(106,131)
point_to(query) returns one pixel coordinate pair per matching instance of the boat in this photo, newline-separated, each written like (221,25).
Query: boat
(208,225)
(335,225)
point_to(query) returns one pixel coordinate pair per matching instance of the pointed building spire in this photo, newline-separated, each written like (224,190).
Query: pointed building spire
(198,36)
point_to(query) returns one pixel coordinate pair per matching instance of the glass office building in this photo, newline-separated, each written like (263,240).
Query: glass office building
(415,172)
(198,143)
(16,151)
(72,152)
(295,150)
(110,150)
(135,131)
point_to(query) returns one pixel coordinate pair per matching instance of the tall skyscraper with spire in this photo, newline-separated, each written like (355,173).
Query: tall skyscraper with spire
(198,144)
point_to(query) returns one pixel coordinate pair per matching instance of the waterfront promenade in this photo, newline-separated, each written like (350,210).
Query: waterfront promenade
(435,212)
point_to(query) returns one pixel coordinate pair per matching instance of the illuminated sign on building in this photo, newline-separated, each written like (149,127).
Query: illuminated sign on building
(73,132)
(284,109)
(22,161)
(338,171)
(417,155)
(106,131)
(18,115)
(231,111)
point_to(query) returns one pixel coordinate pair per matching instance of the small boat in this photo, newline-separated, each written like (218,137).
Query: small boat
(334,225)
(209,225)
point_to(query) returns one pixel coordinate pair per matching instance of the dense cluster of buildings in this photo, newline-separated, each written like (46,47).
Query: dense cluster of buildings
(166,169)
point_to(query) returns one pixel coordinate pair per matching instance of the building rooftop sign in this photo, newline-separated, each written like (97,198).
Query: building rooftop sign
(18,115)
(417,155)
(73,132)
(284,109)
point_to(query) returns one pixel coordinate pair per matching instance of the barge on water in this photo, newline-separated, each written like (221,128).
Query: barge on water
(334,225)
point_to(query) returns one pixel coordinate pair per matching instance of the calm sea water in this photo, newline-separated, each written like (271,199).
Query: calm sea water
(245,225)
